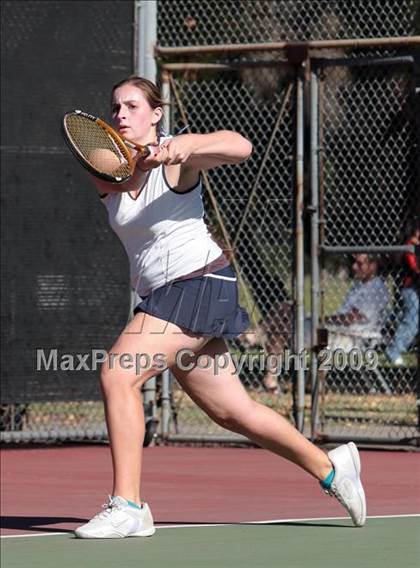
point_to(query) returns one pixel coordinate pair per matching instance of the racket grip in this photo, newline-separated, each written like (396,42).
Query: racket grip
(142,151)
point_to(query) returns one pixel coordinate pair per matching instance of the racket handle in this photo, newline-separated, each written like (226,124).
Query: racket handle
(143,151)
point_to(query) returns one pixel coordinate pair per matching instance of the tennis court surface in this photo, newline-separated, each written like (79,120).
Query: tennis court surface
(214,507)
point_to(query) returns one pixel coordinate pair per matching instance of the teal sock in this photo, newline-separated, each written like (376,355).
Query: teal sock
(326,484)
(134,505)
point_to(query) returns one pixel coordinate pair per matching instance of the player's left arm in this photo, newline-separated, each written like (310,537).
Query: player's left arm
(206,151)
(184,156)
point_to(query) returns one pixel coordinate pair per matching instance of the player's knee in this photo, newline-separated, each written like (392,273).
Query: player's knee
(235,420)
(111,379)
(222,419)
(118,375)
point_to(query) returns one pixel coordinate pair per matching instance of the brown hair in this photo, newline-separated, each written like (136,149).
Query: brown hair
(150,91)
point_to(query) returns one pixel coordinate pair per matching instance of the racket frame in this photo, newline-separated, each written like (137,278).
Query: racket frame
(121,143)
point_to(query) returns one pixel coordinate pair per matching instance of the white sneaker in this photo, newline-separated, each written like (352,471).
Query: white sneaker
(347,486)
(118,520)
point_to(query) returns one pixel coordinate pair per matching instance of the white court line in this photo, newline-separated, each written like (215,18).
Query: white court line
(268,522)
(30,535)
(279,521)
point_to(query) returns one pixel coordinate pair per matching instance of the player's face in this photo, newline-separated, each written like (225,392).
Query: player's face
(132,115)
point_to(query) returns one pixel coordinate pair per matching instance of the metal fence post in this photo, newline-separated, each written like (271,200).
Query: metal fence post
(299,250)
(166,378)
(165,404)
(145,38)
(145,66)
(314,210)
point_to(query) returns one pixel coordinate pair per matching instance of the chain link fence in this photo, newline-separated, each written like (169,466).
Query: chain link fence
(367,188)
(65,278)
(362,393)
(368,141)
(249,207)
(212,22)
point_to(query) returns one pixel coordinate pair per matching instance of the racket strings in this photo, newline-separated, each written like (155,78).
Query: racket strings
(98,147)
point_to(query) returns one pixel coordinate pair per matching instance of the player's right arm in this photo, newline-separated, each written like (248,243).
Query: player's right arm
(136,181)
(132,184)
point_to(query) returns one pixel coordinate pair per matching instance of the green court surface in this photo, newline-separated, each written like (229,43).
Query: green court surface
(383,542)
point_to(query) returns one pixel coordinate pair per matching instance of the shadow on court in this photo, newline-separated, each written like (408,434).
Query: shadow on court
(271,523)
(37,523)
(303,524)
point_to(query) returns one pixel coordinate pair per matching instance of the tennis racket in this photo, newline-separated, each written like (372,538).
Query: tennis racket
(99,148)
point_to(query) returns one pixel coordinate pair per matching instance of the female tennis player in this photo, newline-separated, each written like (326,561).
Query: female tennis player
(187,308)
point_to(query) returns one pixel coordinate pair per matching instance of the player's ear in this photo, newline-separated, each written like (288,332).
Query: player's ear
(157,115)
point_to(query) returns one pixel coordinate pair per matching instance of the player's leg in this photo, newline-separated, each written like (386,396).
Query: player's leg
(151,343)
(143,350)
(222,396)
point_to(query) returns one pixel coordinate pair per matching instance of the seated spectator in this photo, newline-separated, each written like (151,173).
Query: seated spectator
(409,325)
(359,319)
(362,314)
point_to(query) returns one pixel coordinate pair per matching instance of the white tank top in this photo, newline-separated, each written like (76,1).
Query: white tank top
(163,232)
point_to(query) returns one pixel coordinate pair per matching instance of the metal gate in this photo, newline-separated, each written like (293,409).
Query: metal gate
(250,209)
(365,187)
(334,174)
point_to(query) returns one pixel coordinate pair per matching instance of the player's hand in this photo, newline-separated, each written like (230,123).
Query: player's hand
(153,160)
(178,149)
(174,151)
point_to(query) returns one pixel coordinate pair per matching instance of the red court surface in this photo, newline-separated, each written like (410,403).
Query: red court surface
(56,489)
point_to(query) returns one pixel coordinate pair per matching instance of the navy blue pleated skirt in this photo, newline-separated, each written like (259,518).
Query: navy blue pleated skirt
(207,305)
